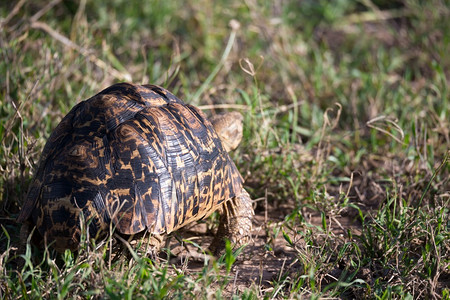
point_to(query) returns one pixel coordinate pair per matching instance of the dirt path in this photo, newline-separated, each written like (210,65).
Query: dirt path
(266,259)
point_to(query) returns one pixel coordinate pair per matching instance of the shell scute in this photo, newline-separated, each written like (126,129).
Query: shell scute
(136,156)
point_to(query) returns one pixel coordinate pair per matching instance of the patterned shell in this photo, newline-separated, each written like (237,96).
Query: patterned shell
(135,156)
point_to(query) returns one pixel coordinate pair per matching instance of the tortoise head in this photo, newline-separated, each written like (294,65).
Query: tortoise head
(228,127)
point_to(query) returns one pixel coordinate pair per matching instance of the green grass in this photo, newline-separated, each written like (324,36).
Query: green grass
(346,138)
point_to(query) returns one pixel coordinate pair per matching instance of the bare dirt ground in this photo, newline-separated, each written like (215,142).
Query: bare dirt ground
(267,258)
(256,265)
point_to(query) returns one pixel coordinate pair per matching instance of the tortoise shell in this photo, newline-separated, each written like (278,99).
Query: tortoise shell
(133,156)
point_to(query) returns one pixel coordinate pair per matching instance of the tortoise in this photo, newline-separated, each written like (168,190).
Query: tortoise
(138,158)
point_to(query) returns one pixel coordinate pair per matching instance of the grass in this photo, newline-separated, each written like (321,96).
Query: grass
(346,140)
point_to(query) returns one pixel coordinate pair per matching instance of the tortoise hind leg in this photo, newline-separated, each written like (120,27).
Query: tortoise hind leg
(22,246)
(28,236)
(235,223)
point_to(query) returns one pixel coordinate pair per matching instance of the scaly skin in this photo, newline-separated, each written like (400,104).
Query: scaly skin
(235,223)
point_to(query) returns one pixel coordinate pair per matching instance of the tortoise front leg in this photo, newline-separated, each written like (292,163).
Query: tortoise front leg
(235,223)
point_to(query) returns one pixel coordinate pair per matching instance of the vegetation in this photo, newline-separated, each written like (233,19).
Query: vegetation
(345,150)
